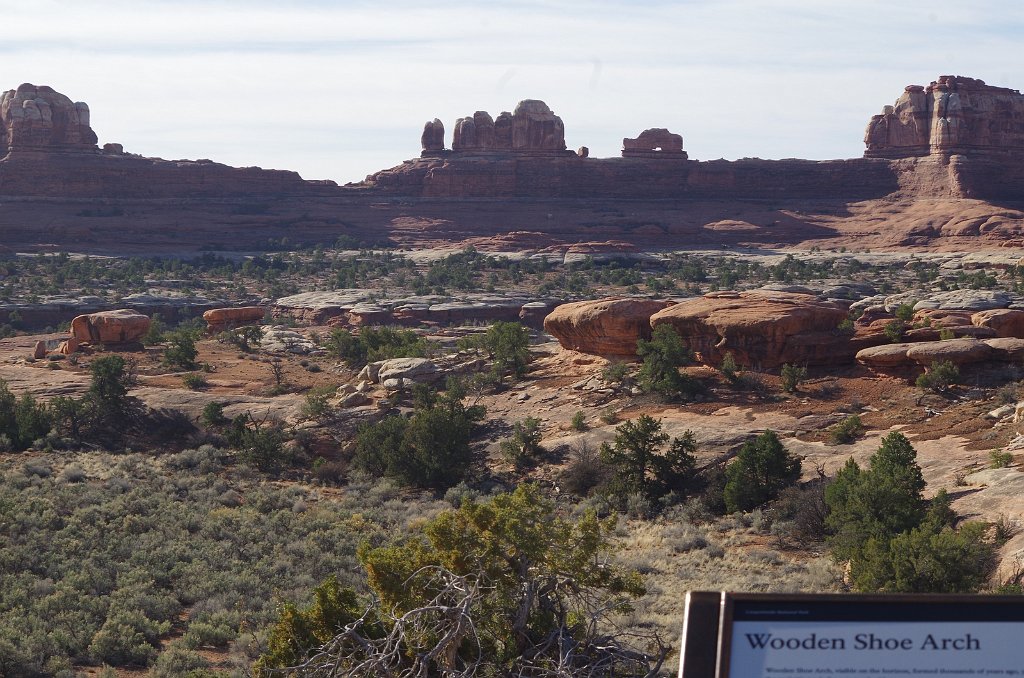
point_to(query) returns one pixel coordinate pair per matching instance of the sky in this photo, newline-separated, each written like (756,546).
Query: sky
(338,90)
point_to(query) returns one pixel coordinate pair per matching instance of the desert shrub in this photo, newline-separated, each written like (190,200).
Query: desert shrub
(73,473)
(506,344)
(846,431)
(1000,458)
(22,420)
(181,350)
(941,375)
(375,343)
(429,449)
(155,334)
(894,330)
(316,405)
(904,312)
(213,414)
(549,590)
(523,447)
(803,509)
(179,660)
(846,327)
(194,381)
(791,376)
(615,372)
(578,421)
(761,469)
(662,357)
(585,471)
(729,368)
(247,339)
(260,443)
(945,334)
(640,466)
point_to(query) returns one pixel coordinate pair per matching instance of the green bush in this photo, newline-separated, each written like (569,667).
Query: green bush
(894,330)
(761,469)
(194,381)
(846,431)
(523,448)
(1000,459)
(260,443)
(940,376)
(877,503)
(181,350)
(578,421)
(213,414)
(640,466)
(791,376)
(507,345)
(375,343)
(662,357)
(429,449)
(904,312)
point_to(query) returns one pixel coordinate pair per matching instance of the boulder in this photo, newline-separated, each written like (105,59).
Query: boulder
(607,327)
(68,347)
(956,351)
(122,326)
(220,319)
(283,340)
(886,355)
(761,328)
(1006,322)
(1009,349)
(403,372)
(39,352)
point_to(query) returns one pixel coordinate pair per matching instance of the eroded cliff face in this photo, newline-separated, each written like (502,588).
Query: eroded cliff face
(38,118)
(952,115)
(956,140)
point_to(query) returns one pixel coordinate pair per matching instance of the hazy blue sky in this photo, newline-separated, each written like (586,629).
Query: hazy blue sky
(340,89)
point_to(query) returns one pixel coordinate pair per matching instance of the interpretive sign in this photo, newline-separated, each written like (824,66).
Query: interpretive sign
(737,635)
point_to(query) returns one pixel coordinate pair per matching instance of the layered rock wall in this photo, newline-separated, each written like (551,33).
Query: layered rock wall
(952,115)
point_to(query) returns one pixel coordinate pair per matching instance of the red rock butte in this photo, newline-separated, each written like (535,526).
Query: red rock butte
(943,168)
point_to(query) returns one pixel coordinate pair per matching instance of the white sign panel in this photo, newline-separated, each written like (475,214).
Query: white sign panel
(777,649)
(777,637)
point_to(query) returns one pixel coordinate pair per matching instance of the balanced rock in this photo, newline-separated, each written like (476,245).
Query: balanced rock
(122,326)
(40,118)
(608,327)
(760,328)
(220,319)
